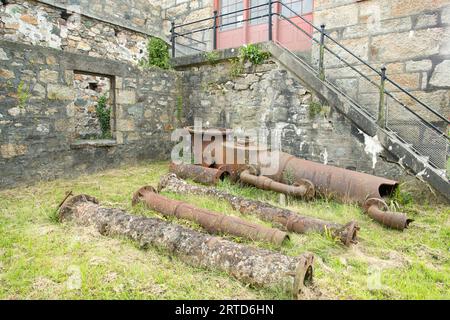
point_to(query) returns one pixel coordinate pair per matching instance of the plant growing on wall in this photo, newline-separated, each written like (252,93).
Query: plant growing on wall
(158,54)
(251,53)
(23,94)
(254,54)
(315,108)
(104,116)
(212,57)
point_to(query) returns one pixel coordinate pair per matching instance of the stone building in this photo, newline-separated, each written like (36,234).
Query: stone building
(57,57)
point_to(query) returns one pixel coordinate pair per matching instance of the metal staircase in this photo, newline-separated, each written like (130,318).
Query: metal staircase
(406,126)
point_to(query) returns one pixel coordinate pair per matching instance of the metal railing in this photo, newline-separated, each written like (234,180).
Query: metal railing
(396,109)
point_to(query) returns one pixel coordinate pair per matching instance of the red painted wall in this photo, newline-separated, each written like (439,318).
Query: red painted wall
(283,31)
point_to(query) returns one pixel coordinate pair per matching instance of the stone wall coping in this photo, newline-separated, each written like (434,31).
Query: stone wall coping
(116,23)
(202,58)
(76,61)
(100,143)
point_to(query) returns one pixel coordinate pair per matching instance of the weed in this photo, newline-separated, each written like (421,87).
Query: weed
(237,67)
(289,176)
(179,108)
(104,116)
(212,57)
(400,198)
(315,108)
(23,94)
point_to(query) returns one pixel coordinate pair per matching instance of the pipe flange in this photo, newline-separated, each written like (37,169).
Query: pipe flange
(310,189)
(379,203)
(303,275)
(137,196)
(351,233)
(67,207)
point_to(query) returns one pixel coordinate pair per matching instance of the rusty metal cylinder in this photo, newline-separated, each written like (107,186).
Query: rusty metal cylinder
(247,264)
(343,184)
(213,222)
(304,190)
(292,221)
(203,175)
(378,210)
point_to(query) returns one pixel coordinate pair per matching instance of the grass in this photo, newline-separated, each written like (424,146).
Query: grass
(42,259)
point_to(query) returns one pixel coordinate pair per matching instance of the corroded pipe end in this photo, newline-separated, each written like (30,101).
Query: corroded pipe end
(377,209)
(65,211)
(303,274)
(138,195)
(279,237)
(349,233)
(310,192)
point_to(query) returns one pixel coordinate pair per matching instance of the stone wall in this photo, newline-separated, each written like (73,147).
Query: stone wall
(143,16)
(412,38)
(35,23)
(268,96)
(38,122)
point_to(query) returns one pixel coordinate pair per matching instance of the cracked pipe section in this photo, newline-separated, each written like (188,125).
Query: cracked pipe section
(290,220)
(249,265)
(213,222)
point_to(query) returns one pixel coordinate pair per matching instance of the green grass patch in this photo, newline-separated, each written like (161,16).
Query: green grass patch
(43,259)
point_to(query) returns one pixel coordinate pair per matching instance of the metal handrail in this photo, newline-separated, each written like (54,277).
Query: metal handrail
(418,101)
(296,26)
(427,123)
(220,26)
(224,14)
(311,36)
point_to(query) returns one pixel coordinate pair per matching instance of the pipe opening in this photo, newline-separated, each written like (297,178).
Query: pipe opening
(224,175)
(308,279)
(286,240)
(387,190)
(408,222)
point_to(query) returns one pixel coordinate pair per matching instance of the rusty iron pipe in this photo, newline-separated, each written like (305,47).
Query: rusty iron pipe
(377,209)
(213,222)
(249,265)
(304,189)
(345,185)
(288,219)
(203,175)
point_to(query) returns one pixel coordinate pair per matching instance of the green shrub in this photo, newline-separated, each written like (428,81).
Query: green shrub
(158,54)
(251,53)
(104,116)
(254,54)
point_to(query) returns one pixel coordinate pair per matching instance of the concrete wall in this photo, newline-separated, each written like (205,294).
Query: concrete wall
(268,96)
(38,121)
